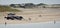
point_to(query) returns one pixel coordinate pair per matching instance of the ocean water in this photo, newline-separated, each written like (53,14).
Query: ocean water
(33,25)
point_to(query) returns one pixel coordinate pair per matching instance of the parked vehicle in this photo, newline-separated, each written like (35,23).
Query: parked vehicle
(13,16)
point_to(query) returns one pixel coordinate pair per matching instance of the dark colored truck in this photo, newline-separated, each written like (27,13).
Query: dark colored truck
(12,17)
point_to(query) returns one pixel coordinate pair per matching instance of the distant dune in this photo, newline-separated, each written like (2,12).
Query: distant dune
(7,9)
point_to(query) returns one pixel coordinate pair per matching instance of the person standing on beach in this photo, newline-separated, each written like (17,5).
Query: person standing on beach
(5,23)
(54,21)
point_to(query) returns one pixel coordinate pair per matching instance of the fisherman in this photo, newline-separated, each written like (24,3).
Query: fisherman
(54,21)
(5,23)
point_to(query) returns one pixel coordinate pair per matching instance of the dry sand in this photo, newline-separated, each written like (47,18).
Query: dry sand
(36,14)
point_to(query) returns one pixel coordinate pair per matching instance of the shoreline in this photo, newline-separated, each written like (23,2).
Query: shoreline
(32,22)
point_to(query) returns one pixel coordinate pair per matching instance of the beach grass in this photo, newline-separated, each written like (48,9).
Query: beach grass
(7,9)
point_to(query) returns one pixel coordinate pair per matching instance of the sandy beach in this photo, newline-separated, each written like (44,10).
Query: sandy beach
(37,15)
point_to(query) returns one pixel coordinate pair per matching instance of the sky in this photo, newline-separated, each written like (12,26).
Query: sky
(7,2)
